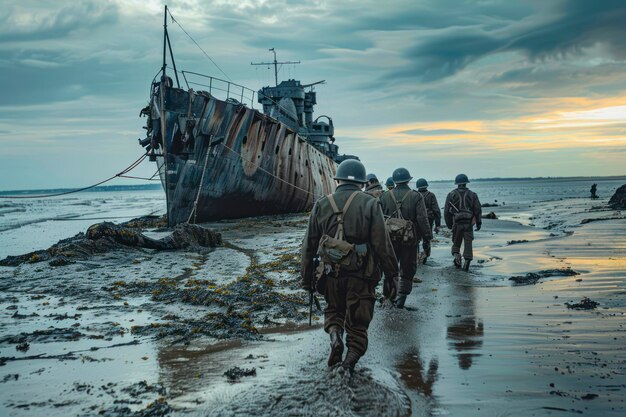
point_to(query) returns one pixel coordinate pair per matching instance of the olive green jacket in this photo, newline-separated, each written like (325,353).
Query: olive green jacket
(432,207)
(413,208)
(462,198)
(363,224)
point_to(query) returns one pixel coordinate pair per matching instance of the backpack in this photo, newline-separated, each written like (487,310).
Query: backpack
(335,252)
(462,214)
(400,230)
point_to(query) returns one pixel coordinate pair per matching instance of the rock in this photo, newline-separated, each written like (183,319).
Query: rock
(489,205)
(491,215)
(618,200)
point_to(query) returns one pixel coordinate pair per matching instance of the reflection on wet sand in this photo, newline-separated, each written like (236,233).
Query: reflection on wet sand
(466,330)
(412,372)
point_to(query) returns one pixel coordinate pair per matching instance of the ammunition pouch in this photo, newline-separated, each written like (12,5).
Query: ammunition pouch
(401,231)
(463,216)
(337,254)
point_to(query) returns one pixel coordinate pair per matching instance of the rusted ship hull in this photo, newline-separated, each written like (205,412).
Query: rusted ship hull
(225,160)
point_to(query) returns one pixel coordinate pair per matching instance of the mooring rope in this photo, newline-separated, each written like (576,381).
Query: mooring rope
(119,174)
(266,171)
(194,211)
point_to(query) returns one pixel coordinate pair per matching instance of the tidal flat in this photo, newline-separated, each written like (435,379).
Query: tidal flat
(224,330)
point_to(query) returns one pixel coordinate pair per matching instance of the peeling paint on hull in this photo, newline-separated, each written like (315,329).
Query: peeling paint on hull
(253,165)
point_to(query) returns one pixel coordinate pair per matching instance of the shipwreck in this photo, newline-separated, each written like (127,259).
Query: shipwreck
(218,157)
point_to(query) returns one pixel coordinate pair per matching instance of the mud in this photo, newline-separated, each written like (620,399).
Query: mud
(133,331)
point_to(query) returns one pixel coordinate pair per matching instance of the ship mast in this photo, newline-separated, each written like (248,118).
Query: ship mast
(275,63)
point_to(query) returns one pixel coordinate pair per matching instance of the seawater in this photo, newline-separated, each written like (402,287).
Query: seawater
(31,224)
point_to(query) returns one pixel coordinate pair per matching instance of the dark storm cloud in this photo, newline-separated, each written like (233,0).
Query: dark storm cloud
(54,22)
(553,31)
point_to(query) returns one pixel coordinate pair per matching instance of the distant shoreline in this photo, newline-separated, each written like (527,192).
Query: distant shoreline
(102,188)
(157,186)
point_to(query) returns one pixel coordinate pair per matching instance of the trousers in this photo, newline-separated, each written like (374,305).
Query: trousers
(350,306)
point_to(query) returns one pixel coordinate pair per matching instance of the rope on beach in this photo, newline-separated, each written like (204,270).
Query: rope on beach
(194,211)
(119,174)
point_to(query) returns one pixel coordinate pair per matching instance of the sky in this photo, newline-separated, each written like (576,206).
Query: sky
(491,88)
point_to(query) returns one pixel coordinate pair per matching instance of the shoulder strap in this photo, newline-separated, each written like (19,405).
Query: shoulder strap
(398,203)
(340,213)
(462,199)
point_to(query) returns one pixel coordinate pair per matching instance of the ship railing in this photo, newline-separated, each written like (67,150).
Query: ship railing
(220,88)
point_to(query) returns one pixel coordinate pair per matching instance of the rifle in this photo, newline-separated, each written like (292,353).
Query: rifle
(312,297)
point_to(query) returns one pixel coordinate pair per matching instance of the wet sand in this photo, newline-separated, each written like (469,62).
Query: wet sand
(142,333)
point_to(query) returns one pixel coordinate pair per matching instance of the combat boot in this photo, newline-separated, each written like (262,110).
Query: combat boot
(350,362)
(457,260)
(466,265)
(336,345)
(400,301)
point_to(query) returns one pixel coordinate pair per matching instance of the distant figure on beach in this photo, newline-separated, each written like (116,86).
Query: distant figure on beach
(594,189)
(461,212)
(373,187)
(407,222)
(347,231)
(434,214)
(389,184)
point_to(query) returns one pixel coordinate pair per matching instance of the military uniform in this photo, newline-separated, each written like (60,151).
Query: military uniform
(350,296)
(462,230)
(375,190)
(434,216)
(413,209)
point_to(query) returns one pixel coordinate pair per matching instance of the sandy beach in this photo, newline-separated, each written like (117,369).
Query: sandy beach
(225,331)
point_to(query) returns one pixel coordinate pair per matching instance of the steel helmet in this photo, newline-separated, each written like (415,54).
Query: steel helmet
(401,175)
(371,177)
(351,170)
(421,183)
(389,182)
(461,179)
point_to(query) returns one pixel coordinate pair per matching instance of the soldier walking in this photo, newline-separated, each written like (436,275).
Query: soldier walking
(461,212)
(389,183)
(403,204)
(373,187)
(434,214)
(347,230)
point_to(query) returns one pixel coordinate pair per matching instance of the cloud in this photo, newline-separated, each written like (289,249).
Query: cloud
(27,20)
(434,132)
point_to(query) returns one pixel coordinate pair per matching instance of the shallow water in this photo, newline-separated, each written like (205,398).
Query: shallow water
(469,344)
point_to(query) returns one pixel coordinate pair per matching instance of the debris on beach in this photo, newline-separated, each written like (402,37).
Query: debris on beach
(235,373)
(532,278)
(491,215)
(585,221)
(618,200)
(106,236)
(584,304)
(515,242)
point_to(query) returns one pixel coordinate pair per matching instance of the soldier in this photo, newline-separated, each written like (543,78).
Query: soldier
(402,203)
(461,212)
(434,214)
(347,281)
(594,189)
(373,187)
(389,183)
